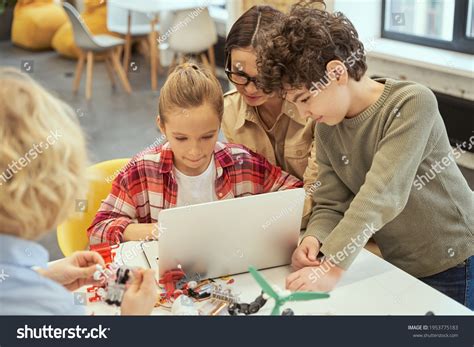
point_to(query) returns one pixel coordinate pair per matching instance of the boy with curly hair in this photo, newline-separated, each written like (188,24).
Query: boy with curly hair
(387,169)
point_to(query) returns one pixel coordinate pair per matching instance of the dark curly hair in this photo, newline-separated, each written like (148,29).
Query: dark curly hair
(296,51)
(249,26)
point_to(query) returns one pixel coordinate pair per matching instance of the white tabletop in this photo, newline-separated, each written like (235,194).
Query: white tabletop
(154,6)
(371,286)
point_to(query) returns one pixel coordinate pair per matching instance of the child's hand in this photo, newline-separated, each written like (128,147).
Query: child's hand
(322,278)
(140,297)
(74,271)
(305,254)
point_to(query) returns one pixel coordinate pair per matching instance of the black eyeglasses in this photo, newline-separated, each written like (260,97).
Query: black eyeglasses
(239,77)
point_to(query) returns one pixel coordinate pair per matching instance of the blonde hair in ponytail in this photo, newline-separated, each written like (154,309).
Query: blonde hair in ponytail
(190,85)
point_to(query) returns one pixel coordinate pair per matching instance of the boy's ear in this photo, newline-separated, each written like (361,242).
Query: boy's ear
(337,71)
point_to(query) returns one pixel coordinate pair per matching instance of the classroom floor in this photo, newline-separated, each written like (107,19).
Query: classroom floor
(117,125)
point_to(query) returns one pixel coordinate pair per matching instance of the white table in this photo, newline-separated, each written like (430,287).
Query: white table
(152,8)
(371,286)
(156,6)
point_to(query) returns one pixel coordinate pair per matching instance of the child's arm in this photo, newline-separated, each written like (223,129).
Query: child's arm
(140,231)
(330,201)
(115,214)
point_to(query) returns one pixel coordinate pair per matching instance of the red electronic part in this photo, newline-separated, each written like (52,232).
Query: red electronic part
(107,252)
(98,292)
(169,280)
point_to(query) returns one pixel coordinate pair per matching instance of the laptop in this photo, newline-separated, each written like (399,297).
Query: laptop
(225,237)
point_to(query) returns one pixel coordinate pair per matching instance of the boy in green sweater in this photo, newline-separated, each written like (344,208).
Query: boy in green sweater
(387,169)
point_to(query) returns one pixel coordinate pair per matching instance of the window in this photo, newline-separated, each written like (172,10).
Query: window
(470,22)
(446,24)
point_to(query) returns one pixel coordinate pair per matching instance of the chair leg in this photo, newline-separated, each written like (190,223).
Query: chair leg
(90,65)
(205,61)
(110,70)
(121,74)
(212,59)
(78,75)
(128,44)
(119,51)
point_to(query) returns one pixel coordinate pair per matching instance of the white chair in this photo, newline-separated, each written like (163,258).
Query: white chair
(193,32)
(90,45)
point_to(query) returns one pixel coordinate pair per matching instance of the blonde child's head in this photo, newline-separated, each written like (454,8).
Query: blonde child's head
(190,85)
(191,106)
(42,157)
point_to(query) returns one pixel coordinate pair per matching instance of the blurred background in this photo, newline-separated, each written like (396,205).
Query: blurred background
(135,41)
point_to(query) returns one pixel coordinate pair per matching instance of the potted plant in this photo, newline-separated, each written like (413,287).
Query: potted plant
(6,18)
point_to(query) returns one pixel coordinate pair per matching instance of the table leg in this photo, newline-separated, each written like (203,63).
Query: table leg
(205,61)
(128,44)
(212,59)
(153,55)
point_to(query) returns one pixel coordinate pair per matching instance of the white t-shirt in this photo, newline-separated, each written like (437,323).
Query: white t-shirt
(194,190)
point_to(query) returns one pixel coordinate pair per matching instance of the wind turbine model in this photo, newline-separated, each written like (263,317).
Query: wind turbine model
(281,297)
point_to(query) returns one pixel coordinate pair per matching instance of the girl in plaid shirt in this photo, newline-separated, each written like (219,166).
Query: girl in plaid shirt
(191,168)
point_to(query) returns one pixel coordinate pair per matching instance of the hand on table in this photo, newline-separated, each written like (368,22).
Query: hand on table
(321,278)
(74,271)
(140,296)
(305,254)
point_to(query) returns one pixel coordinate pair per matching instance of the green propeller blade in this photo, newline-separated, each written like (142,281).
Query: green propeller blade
(303,296)
(281,299)
(263,283)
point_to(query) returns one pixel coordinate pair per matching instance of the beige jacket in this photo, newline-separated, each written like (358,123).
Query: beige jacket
(293,147)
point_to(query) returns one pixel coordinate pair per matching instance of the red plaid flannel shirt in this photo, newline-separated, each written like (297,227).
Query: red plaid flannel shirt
(148,185)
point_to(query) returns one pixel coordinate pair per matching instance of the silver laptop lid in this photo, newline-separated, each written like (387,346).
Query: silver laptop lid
(225,237)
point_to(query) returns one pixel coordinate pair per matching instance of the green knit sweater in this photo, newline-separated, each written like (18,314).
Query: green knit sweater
(390,173)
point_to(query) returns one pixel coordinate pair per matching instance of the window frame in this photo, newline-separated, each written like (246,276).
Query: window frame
(460,42)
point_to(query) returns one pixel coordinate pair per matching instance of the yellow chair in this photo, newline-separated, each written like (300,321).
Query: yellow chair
(72,234)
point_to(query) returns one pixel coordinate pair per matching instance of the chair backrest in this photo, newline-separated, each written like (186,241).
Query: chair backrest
(194,31)
(72,234)
(82,35)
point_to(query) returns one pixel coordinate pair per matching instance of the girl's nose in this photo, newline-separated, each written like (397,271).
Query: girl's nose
(195,151)
(251,88)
